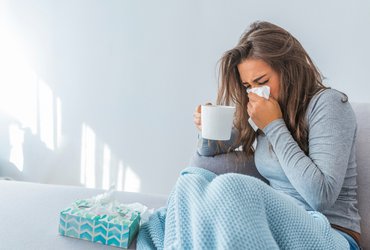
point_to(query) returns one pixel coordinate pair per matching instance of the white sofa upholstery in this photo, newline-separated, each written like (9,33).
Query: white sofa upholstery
(30,215)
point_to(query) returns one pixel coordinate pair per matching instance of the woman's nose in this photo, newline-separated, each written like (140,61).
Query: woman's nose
(252,86)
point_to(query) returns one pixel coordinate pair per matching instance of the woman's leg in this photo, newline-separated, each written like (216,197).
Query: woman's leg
(235,211)
(290,225)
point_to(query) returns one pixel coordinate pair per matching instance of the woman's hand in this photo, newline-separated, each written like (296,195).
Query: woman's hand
(197,116)
(263,111)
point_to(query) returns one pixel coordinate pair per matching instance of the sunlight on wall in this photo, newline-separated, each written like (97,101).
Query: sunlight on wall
(127,179)
(123,177)
(26,99)
(29,105)
(106,166)
(87,175)
(58,122)
(18,88)
(16,143)
(46,114)
(120,173)
(131,181)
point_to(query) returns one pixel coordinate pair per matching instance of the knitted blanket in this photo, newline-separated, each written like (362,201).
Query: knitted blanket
(234,211)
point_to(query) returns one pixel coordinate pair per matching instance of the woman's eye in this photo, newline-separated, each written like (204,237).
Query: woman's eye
(246,85)
(261,83)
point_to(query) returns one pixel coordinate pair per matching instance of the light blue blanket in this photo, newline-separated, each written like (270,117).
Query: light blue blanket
(234,211)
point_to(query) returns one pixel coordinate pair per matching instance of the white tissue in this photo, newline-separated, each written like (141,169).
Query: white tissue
(145,212)
(263,91)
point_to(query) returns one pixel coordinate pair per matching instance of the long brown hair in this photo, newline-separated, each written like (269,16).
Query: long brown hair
(300,80)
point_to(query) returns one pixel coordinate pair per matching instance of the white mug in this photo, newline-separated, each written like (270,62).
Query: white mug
(217,122)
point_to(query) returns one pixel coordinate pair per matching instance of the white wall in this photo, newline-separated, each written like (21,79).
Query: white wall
(95,92)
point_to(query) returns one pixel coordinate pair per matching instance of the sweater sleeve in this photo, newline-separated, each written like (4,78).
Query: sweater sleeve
(318,177)
(212,147)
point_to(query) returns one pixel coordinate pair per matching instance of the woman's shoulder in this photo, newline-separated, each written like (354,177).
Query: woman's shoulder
(329,101)
(329,94)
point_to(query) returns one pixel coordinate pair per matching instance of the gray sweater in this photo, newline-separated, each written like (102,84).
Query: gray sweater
(325,180)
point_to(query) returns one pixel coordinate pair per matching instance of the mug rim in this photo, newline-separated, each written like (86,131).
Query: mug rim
(219,106)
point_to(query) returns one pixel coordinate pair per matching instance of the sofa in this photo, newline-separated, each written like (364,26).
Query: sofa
(362,111)
(30,211)
(231,163)
(30,214)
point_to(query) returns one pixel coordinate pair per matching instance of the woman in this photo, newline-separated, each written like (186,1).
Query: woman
(304,149)
(306,131)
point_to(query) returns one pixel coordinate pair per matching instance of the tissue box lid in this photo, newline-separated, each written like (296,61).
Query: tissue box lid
(124,216)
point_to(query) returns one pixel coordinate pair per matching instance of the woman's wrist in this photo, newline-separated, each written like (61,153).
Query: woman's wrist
(269,127)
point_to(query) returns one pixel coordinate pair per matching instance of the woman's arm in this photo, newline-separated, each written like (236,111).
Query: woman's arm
(319,176)
(211,147)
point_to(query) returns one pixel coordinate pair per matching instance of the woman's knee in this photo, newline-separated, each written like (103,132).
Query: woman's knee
(240,184)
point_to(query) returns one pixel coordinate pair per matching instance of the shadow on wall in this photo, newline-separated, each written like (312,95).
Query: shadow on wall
(32,140)
(19,147)
(7,168)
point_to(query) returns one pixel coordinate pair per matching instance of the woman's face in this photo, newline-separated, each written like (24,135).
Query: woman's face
(256,73)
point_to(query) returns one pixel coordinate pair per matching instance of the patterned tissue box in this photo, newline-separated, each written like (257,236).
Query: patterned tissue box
(99,220)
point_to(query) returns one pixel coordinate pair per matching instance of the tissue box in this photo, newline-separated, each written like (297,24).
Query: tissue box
(99,223)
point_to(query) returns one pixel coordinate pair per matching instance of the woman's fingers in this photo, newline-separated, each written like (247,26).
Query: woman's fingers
(197,116)
(198,109)
(263,111)
(254,97)
(249,108)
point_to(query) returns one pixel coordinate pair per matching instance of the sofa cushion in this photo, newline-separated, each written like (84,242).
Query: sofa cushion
(362,111)
(234,162)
